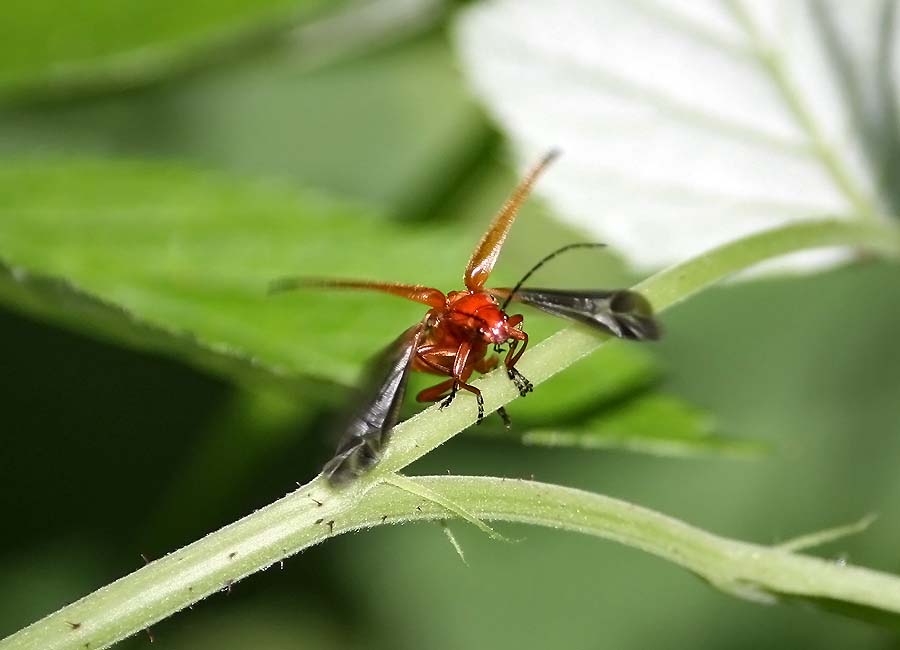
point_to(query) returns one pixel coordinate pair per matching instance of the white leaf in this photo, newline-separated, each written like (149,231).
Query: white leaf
(688,123)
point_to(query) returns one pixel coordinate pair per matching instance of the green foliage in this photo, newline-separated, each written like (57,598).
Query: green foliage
(49,47)
(179,262)
(193,254)
(154,219)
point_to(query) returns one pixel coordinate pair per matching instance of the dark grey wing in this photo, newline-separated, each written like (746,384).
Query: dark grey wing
(620,312)
(379,400)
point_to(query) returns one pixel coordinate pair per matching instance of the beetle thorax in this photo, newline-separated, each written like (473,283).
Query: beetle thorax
(476,313)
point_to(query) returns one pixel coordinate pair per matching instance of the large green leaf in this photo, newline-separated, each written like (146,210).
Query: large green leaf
(166,256)
(178,261)
(50,46)
(188,256)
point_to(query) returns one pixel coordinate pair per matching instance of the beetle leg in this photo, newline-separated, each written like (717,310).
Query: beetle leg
(436,358)
(486,365)
(479,400)
(516,335)
(507,423)
(461,371)
(512,358)
(429,356)
(437,392)
(522,384)
(449,400)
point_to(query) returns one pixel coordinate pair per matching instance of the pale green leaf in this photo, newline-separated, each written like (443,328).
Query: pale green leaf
(689,124)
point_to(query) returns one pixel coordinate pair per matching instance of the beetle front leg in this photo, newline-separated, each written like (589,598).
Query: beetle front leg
(513,355)
(522,384)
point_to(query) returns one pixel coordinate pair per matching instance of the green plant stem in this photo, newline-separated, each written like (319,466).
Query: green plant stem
(315,511)
(748,570)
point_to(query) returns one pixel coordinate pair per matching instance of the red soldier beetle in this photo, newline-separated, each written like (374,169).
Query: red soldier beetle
(454,337)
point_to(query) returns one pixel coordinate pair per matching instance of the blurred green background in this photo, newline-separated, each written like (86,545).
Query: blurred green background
(341,139)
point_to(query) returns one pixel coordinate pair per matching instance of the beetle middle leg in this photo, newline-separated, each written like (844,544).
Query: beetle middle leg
(445,392)
(459,373)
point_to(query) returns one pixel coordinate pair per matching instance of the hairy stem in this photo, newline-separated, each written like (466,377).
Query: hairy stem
(315,512)
(761,573)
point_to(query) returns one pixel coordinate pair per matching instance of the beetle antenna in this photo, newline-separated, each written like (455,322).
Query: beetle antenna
(541,262)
